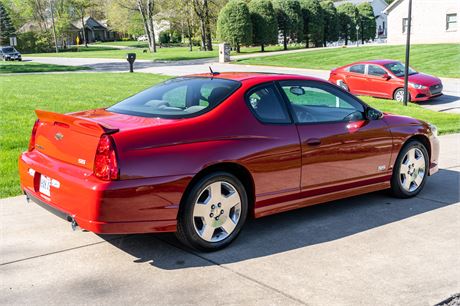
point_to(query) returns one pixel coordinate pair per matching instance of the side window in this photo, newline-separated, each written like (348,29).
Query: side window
(314,102)
(357,69)
(267,105)
(375,70)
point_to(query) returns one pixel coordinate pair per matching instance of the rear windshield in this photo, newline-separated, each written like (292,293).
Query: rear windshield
(178,98)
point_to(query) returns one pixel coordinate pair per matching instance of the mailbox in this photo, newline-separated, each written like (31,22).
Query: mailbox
(131,58)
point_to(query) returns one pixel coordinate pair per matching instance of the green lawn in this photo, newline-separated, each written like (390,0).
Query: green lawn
(22,94)
(442,60)
(23,67)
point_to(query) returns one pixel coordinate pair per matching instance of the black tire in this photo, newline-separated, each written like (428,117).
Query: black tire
(397,188)
(186,231)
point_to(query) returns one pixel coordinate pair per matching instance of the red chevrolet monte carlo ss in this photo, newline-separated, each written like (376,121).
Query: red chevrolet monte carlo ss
(385,79)
(198,155)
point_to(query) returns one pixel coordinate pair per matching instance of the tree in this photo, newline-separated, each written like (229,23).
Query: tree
(124,20)
(6,26)
(201,8)
(330,29)
(313,21)
(264,23)
(146,8)
(347,15)
(234,24)
(368,26)
(288,15)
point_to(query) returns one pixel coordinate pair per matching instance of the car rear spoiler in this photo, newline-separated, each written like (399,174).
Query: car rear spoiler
(81,125)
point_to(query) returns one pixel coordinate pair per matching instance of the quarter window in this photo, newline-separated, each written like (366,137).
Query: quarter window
(376,70)
(314,102)
(451,22)
(357,69)
(267,105)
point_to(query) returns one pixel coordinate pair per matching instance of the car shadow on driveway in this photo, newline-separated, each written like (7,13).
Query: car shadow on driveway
(299,228)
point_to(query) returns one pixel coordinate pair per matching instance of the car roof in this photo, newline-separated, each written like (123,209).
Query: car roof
(261,76)
(377,61)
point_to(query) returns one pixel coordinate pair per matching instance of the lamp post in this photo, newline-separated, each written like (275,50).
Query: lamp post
(357,35)
(406,67)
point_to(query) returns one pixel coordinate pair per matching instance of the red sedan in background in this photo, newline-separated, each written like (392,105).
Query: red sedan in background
(198,155)
(385,79)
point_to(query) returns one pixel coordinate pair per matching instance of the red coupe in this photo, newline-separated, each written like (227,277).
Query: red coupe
(198,155)
(385,79)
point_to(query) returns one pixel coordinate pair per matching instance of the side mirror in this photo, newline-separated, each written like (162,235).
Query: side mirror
(373,114)
(386,76)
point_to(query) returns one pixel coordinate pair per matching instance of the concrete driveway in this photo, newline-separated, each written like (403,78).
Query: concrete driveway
(366,250)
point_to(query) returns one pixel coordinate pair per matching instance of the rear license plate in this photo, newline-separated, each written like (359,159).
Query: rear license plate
(45,185)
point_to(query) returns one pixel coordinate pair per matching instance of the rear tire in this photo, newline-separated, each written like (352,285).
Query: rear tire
(213,212)
(410,170)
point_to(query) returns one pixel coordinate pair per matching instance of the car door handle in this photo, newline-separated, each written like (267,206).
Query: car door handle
(313,142)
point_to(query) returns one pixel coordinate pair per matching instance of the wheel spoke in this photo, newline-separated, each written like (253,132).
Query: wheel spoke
(420,163)
(411,156)
(201,210)
(407,182)
(228,226)
(403,169)
(230,201)
(207,232)
(418,179)
(215,191)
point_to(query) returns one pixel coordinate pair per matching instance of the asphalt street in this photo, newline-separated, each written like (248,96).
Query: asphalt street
(449,102)
(366,250)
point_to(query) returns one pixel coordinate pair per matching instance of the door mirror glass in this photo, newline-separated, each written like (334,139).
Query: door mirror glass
(373,114)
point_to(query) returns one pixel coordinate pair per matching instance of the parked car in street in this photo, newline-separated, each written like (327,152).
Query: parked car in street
(8,53)
(385,79)
(198,155)
(142,38)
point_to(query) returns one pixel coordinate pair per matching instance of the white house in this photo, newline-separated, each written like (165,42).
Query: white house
(433,21)
(378,7)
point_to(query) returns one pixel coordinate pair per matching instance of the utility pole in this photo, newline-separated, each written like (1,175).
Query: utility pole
(54,27)
(406,66)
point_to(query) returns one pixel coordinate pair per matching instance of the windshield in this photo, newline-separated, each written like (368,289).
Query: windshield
(397,68)
(178,98)
(8,50)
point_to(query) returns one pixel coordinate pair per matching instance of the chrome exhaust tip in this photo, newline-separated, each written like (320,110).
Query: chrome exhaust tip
(73,223)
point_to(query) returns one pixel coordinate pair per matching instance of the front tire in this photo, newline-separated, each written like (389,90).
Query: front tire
(213,212)
(410,170)
(399,95)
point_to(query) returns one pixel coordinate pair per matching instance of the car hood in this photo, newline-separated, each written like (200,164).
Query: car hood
(423,79)
(121,122)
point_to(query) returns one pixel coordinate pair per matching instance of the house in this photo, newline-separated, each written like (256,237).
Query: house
(95,30)
(378,6)
(433,21)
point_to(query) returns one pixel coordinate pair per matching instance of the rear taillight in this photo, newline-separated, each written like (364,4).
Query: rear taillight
(105,162)
(32,137)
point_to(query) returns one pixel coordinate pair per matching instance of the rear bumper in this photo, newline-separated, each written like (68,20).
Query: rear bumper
(143,205)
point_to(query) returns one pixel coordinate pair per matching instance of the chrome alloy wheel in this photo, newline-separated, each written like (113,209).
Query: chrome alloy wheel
(399,96)
(216,211)
(412,170)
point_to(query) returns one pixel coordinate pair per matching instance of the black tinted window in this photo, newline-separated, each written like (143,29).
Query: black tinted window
(376,70)
(267,105)
(178,98)
(357,69)
(314,102)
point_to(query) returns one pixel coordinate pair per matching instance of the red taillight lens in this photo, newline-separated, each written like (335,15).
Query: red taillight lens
(32,137)
(105,163)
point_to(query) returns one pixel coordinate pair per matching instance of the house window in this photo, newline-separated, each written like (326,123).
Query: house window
(405,25)
(451,22)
